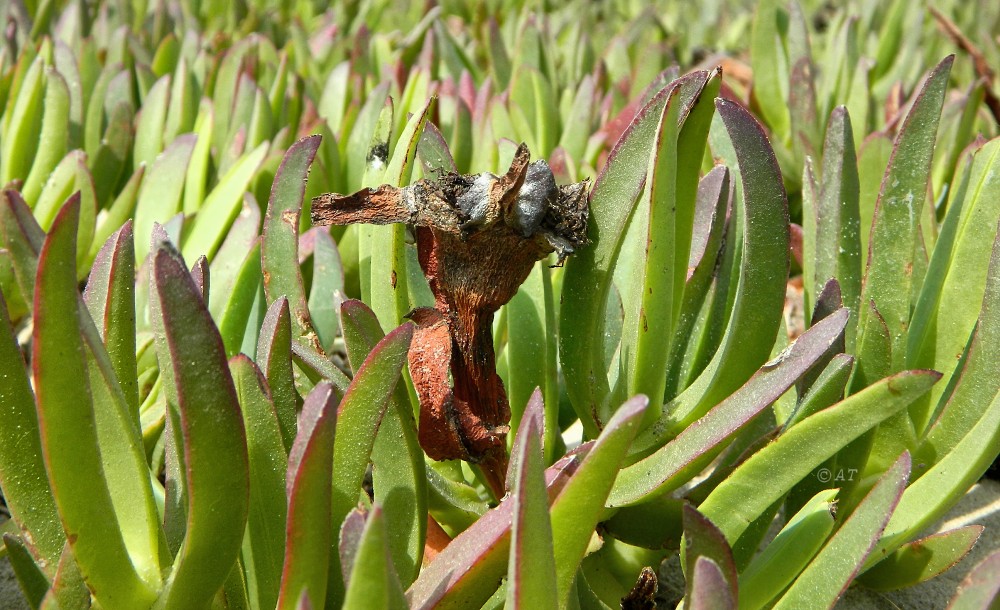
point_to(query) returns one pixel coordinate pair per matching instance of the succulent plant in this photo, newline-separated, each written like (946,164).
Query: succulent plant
(768,366)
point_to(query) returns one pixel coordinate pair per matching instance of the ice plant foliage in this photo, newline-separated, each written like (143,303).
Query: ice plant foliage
(727,289)
(478,238)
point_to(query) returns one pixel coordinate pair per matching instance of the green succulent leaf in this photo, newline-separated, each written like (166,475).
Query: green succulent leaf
(373,581)
(213,456)
(675,463)
(922,559)
(280,242)
(387,272)
(954,302)
(770,572)
(308,536)
(768,64)
(579,506)
(274,357)
(33,582)
(826,577)
(588,275)
(264,542)
(242,297)
(838,223)
(762,479)
(979,589)
(160,194)
(21,124)
(531,568)
(149,131)
(702,540)
(22,471)
(399,477)
(467,572)
(110,298)
(53,138)
(358,419)
(68,428)
(222,206)
(763,270)
(900,206)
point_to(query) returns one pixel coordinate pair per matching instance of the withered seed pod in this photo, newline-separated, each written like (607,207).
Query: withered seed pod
(478,237)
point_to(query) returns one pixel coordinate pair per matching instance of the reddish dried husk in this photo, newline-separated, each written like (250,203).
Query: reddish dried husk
(478,238)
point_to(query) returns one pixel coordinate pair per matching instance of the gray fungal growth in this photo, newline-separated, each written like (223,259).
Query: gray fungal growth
(536,196)
(475,202)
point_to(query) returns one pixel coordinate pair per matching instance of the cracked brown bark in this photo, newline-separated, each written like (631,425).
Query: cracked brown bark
(478,238)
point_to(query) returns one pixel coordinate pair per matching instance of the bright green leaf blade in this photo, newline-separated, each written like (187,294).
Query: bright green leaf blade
(214,448)
(922,559)
(930,496)
(764,478)
(33,582)
(22,122)
(771,571)
(978,381)
(280,245)
(768,88)
(531,344)
(577,509)
(160,194)
(274,356)
(373,582)
(57,189)
(531,567)
(891,249)
(683,457)
(67,423)
(229,260)
(399,477)
(826,578)
(241,299)
(358,419)
(149,130)
(327,280)
(760,293)
(264,544)
(221,207)
(54,136)
(308,537)
(959,296)
(195,178)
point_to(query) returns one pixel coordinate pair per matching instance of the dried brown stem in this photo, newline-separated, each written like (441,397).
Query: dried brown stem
(979,61)
(478,238)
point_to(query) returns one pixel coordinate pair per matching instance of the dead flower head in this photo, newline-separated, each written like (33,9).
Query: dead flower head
(478,237)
